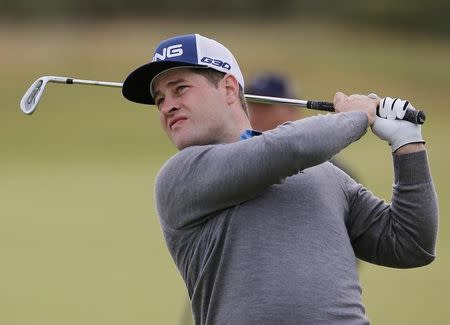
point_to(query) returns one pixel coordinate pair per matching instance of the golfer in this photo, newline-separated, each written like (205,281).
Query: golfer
(261,227)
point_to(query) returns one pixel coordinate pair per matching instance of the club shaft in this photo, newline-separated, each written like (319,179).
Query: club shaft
(69,81)
(250,98)
(414,116)
(276,100)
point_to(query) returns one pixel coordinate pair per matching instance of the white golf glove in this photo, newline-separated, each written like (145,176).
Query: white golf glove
(392,108)
(395,131)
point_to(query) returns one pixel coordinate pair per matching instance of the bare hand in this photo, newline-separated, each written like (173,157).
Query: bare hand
(360,103)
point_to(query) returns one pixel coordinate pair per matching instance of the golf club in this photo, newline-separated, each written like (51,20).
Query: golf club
(31,98)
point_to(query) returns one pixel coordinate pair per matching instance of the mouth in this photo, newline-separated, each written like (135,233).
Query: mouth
(176,121)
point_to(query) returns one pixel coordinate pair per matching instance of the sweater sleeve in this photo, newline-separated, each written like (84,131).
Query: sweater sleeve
(202,180)
(401,234)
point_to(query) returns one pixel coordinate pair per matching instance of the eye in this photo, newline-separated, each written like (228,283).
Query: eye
(179,90)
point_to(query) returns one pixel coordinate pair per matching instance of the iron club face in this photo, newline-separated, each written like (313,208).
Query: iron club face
(32,96)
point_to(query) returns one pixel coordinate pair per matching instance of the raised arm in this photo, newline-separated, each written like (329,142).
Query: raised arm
(403,233)
(202,180)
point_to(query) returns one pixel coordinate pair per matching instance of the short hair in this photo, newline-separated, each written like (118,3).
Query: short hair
(214,76)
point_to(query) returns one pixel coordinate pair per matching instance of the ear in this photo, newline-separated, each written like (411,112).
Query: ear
(231,89)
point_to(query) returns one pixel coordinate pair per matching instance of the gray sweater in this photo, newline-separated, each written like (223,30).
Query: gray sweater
(266,231)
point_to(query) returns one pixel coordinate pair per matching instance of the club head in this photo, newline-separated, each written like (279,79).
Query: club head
(31,98)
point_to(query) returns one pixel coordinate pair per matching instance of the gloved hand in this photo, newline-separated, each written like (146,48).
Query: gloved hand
(397,132)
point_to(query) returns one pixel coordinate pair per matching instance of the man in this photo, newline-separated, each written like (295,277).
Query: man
(264,117)
(265,230)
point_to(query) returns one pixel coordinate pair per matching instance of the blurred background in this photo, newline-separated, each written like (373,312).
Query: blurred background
(80,242)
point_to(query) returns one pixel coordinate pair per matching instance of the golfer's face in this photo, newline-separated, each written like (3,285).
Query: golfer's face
(190,107)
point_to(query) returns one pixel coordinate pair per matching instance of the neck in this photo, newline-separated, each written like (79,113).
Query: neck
(240,123)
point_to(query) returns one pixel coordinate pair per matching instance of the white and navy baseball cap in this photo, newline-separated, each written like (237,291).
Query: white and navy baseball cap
(191,50)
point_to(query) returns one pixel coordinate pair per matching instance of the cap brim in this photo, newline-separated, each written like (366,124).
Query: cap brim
(136,86)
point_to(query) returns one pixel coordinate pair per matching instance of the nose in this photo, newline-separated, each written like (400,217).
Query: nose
(169,106)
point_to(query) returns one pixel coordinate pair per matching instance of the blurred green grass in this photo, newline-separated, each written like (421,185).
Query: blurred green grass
(80,241)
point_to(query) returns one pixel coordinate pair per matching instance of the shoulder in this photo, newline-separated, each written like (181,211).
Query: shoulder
(182,162)
(344,167)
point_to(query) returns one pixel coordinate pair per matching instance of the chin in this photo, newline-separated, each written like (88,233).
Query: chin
(183,143)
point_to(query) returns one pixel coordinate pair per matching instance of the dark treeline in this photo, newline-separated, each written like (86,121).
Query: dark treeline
(428,16)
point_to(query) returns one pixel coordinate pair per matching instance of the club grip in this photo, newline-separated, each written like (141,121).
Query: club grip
(414,116)
(321,106)
(411,115)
